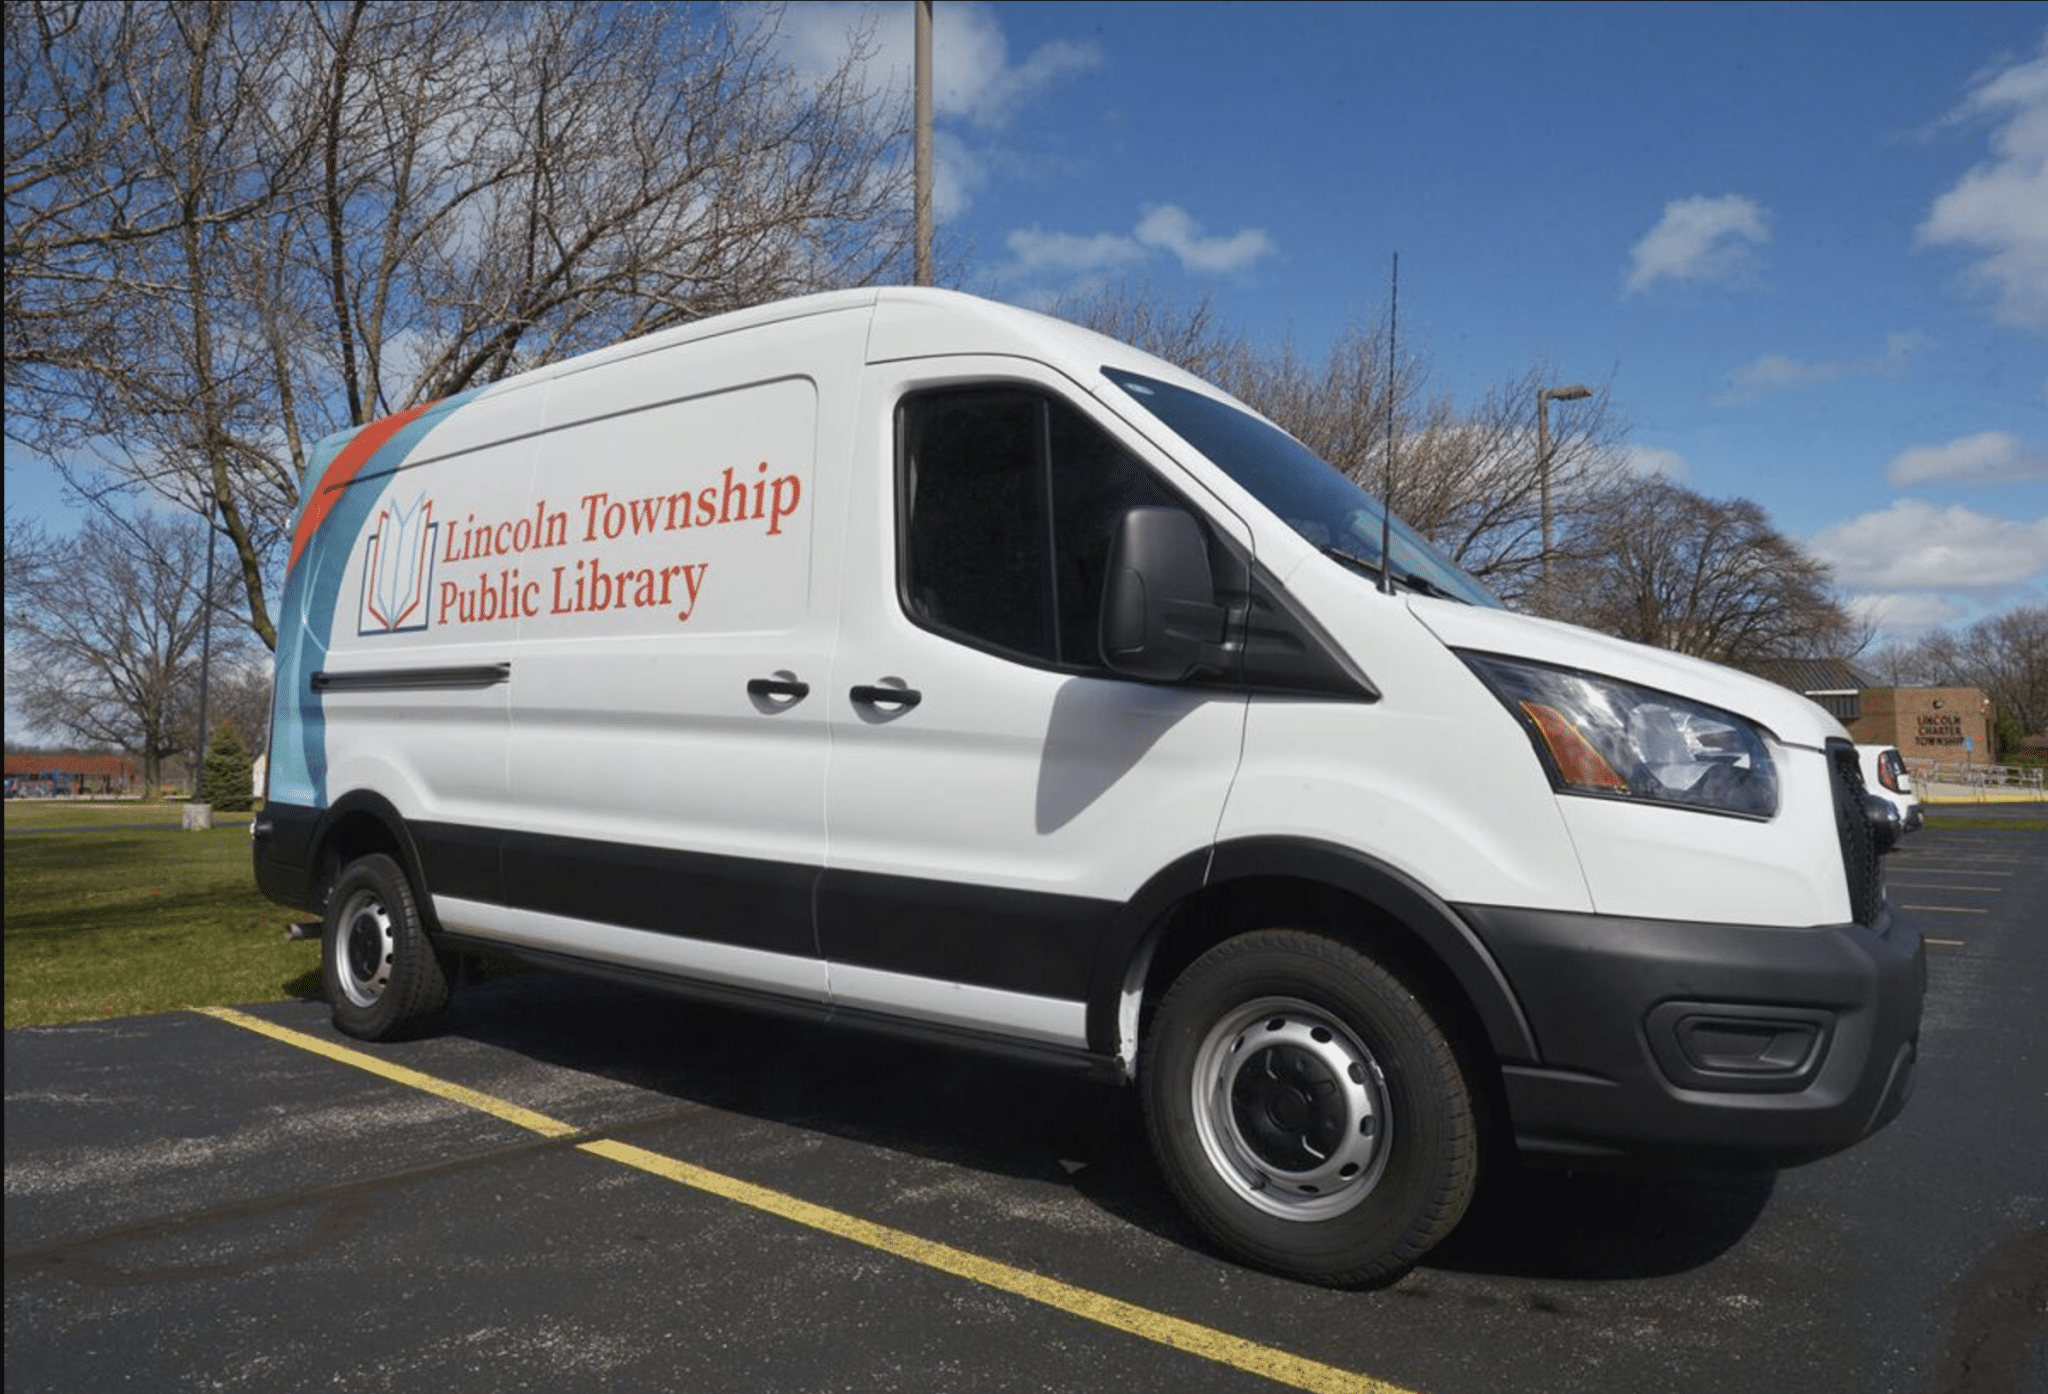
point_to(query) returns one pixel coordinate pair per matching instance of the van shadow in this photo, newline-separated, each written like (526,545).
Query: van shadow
(984,1114)
(958,1107)
(1590,1226)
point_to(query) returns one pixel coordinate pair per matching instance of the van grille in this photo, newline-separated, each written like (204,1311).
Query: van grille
(1861,862)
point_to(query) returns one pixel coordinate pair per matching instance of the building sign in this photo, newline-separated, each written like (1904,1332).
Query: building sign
(1935,728)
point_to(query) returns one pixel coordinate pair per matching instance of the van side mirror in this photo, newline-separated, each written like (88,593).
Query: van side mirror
(1160,619)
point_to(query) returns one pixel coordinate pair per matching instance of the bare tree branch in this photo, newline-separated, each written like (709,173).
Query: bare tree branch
(1663,565)
(104,635)
(234,226)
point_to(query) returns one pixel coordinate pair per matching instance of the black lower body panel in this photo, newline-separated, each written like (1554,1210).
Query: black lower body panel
(1676,1044)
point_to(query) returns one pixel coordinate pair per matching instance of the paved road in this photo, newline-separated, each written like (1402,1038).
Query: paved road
(2010,811)
(574,1187)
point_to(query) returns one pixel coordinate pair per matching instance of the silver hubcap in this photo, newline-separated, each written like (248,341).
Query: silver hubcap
(1292,1109)
(365,950)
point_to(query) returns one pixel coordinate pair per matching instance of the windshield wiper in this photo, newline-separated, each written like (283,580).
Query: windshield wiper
(1424,586)
(1421,585)
(1352,559)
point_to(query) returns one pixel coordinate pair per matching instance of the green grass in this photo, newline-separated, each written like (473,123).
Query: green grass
(78,813)
(110,924)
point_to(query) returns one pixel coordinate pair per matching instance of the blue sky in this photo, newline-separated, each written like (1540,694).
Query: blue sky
(1805,244)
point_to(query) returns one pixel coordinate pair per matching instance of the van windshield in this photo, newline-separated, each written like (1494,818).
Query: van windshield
(1311,496)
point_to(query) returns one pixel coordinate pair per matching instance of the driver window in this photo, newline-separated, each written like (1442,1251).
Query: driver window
(1007,499)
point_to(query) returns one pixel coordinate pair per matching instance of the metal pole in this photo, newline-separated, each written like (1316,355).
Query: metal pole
(205,650)
(1544,397)
(922,202)
(1543,479)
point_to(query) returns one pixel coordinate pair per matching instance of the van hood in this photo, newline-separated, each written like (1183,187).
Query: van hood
(1792,718)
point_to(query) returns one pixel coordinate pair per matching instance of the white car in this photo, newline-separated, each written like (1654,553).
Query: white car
(1884,774)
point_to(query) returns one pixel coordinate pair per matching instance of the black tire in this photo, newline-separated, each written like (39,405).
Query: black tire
(1308,1110)
(383,978)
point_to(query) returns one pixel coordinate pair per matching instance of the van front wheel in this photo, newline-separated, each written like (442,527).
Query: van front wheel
(1308,1110)
(383,979)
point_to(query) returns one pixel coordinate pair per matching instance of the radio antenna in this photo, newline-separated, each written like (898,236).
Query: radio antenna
(1387,495)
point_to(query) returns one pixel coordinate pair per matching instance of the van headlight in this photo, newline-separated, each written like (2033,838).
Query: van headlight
(1604,738)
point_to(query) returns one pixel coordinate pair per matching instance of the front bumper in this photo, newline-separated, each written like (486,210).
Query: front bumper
(1674,1044)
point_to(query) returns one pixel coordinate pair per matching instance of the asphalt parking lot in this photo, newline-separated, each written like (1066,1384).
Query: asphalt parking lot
(576,1187)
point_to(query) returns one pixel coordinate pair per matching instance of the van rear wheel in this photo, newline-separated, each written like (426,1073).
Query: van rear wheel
(1308,1109)
(383,978)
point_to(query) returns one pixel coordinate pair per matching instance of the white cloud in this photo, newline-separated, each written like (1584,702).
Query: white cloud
(1652,463)
(1171,228)
(1037,250)
(1999,209)
(1901,615)
(1988,457)
(1776,372)
(1699,239)
(973,77)
(1165,228)
(958,173)
(1915,545)
(974,80)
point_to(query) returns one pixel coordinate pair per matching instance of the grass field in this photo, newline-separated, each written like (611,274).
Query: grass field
(123,922)
(86,813)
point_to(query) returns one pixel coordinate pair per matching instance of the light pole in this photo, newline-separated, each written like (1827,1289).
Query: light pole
(1544,397)
(922,175)
(205,649)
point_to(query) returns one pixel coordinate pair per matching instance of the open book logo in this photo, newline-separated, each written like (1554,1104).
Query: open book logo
(398,569)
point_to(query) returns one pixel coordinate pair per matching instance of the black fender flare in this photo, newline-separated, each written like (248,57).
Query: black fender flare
(1434,923)
(364,803)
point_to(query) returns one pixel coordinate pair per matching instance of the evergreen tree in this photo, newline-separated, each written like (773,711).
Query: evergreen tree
(227,777)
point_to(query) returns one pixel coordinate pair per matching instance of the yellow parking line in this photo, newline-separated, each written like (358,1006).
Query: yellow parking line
(520,1117)
(1206,1342)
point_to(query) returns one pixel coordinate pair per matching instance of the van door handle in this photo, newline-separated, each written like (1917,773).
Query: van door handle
(786,688)
(869,696)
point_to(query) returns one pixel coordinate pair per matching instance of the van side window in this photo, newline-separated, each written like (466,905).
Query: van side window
(1007,499)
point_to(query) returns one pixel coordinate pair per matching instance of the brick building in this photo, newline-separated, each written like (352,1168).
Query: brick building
(1926,724)
(56,774)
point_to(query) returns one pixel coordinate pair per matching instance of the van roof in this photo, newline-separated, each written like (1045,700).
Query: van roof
(910,321)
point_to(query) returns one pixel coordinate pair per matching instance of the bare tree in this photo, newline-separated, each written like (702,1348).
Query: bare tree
(1467,478)
(1185,334)
(1475,481)
(2010,659)
(27,543)
(239,695)
(104,635)
(85,193)
(1663,565)
(1338,406)
(1935,659)
(236,225)
(2006,656)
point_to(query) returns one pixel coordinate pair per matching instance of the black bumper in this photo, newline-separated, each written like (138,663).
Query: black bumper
(282,843)
(1673,1044)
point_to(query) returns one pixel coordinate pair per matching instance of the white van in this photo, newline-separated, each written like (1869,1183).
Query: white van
(937,667)
(1885,775)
